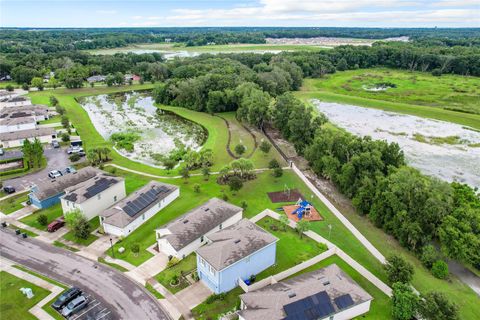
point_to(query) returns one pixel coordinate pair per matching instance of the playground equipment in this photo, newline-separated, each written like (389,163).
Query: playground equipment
(304,208)
(28,292)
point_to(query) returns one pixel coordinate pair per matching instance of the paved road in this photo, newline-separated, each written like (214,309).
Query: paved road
(57,159)
(122,296)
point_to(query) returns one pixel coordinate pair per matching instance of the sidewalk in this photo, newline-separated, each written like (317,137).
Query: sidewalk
(37,311)
(149,268)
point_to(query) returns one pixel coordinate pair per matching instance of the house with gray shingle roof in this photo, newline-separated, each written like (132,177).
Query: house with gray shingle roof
(327,293)
(128,214)
(238,252)
(94,195)
(187,233)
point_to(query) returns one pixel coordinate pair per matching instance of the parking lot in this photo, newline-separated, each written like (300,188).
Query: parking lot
(94,311)
(57,159)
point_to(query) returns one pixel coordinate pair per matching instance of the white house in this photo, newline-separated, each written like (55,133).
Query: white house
(187,233)
(94,195)
(236,252)
(15,139)
(14,124)
(17,101)
(22,118)
(130,213)
(324,294)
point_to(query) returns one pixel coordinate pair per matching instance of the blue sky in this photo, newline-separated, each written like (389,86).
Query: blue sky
(167,13)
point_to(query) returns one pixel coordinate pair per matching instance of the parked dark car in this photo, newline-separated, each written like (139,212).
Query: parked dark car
(9,189)
(66,297)
(56,224)
(75,305)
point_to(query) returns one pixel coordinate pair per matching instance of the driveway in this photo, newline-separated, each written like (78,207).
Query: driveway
(109,287)
(57,159)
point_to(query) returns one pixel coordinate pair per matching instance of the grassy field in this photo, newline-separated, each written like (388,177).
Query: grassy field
(15,304)
(291,249)
(172,47)
(13,204)
(52,213)
(449,98)
(186,265)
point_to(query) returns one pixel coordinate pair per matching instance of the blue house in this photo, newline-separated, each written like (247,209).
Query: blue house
(239,251)
(47,194)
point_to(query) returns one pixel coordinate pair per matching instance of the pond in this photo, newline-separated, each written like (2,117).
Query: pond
(446,150)
(157,133)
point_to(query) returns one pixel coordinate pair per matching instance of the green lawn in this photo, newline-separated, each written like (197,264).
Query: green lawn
(53,119)
(208,311)
(446,98)
(113,265)
(14,304)
(94,224)
(13,204)
(152,290)
(52,213)
(291,249)
(28,232)
(186,265)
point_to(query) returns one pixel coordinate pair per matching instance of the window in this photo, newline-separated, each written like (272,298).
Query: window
(115,199)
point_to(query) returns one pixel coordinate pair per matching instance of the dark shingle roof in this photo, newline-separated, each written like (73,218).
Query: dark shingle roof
(234,243)
(199,221)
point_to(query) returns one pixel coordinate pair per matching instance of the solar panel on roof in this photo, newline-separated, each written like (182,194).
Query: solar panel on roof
(312,307)
(143,200)
(343,301)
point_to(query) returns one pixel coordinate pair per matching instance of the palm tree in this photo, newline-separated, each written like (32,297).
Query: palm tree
(106,151)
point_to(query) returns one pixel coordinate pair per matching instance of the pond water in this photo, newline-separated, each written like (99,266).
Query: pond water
(442,149)
(160,132)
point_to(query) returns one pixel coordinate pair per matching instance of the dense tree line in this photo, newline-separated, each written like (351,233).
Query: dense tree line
(55,40)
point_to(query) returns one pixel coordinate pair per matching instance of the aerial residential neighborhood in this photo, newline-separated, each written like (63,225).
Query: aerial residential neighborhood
(255,160)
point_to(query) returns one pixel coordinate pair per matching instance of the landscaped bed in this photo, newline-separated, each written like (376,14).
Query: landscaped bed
(173,278)
(15,304)
(13,203)
(291,248)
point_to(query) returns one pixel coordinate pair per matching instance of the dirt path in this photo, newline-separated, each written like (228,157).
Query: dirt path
(229,140)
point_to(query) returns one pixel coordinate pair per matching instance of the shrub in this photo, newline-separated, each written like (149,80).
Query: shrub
(277,172)
(135,249)
(60,110)
(42,219)
(224,197)
(172,262)
(273,164)
(9,88)
(169,164)
(440,269)
(235,183)
(429,256)
(65,121)
(65,137)
(196,188)
(265,147)
(244,204)
(125,140)
(74,157)
(436,72)
(214,297)
(53,101)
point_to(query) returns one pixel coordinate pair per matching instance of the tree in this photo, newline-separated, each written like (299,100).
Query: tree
(42,219)
(436,306)
(65,122)
(185,173)
(38,83)
(9,88)
(65,137)
(53,82)
(244,204)
(240,149)
(25,86)
(135,249)
(265,147)
(53,101)
(235,183)
(27,152)
(284,221)
(60,110)
(405,302)
(169,164)
(440,269)
(273,164)
(78,223)
(303,226)
(398,270)
(342,65)
(277,172)
(206,173)
(242,167)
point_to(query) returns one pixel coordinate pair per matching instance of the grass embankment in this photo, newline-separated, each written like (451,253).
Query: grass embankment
(13,204)
(185,266)
(291,249)
(449,98)
(15,304)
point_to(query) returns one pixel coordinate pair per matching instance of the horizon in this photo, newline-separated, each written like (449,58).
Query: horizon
(72,14)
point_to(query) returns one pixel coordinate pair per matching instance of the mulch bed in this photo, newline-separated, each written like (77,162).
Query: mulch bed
(313,216)
(281,196)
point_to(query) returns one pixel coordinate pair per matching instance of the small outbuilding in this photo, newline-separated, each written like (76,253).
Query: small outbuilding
(128,214)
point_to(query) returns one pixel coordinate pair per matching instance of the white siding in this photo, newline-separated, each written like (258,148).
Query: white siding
(19,142)
(141,219)
(351,312)
(166,248)
(93,206)
(18,127)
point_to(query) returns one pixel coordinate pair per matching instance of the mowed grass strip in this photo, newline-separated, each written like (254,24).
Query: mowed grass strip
(13,203)
(52,213)
(14,304)
(185,266)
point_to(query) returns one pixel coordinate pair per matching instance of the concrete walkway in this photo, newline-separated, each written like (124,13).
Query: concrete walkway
(96,249)
(37,311)
(22,213)
(149,268)
(177,305)
(194,294)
